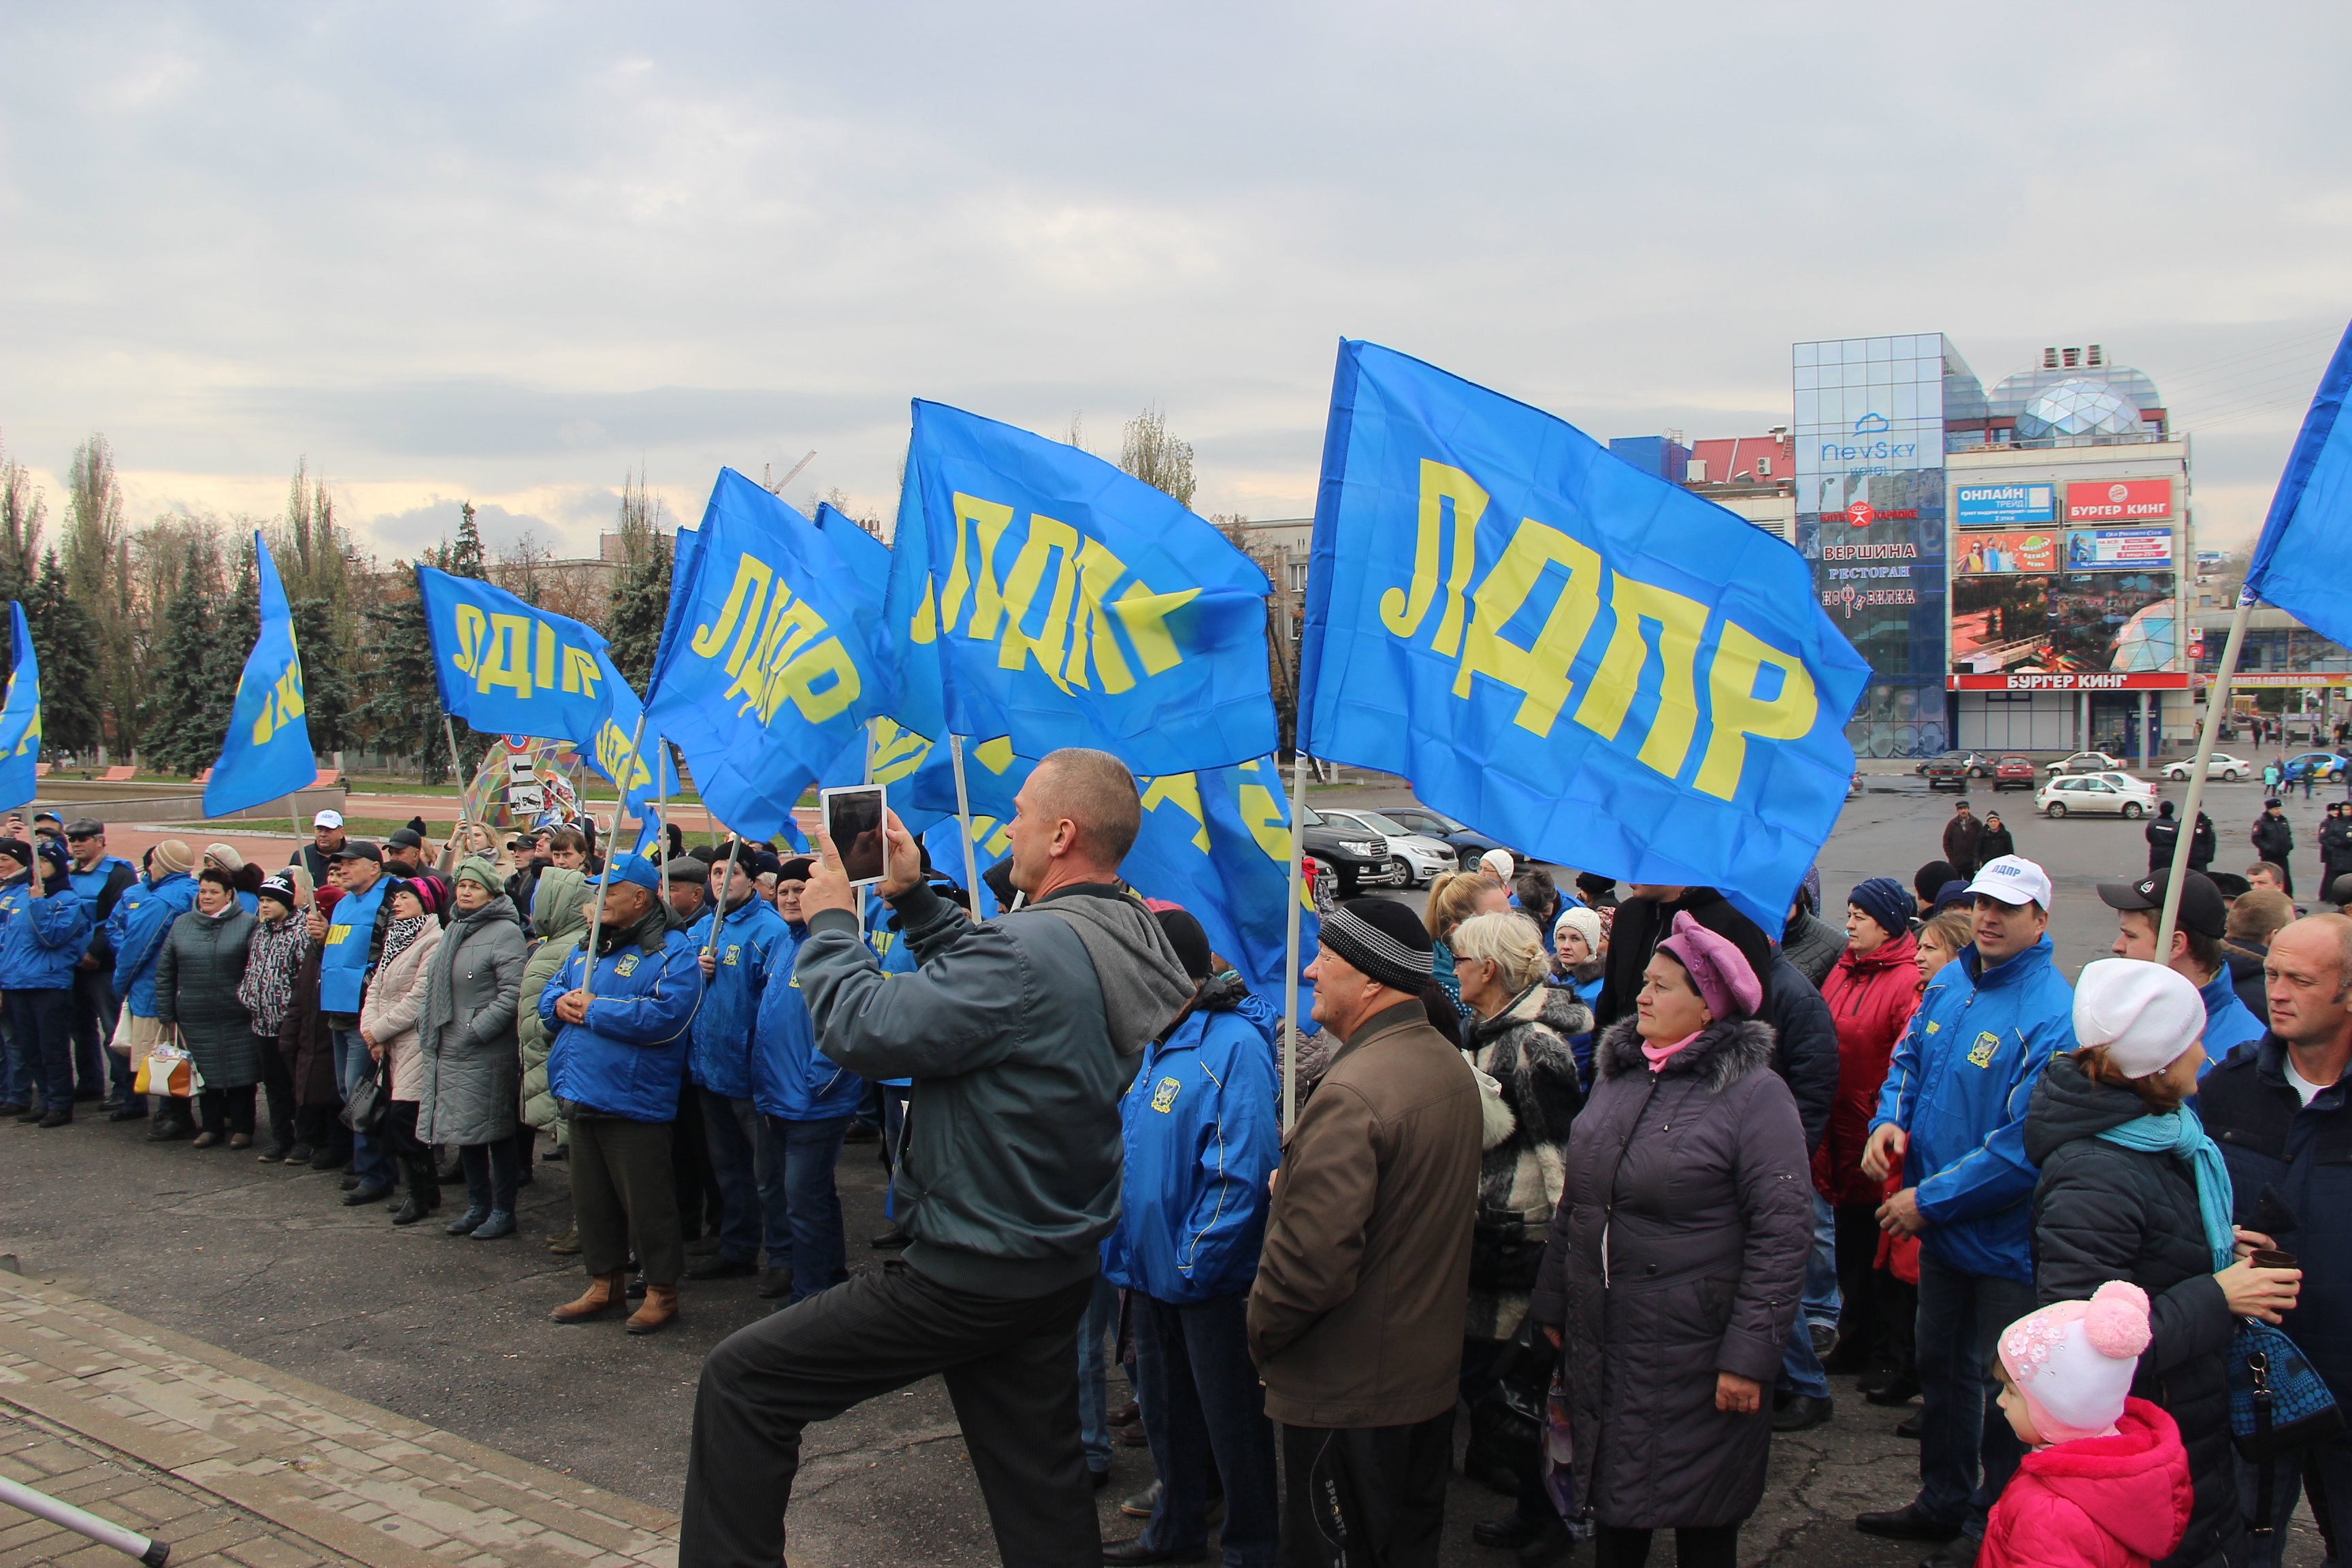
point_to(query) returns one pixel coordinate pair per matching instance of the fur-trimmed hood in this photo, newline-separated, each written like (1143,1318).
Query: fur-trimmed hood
(1725,1052)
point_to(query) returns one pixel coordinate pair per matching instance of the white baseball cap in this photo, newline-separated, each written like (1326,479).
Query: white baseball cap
(328,819)
(2013,879)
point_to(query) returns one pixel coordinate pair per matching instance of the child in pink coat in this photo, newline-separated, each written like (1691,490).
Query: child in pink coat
(2106,1482)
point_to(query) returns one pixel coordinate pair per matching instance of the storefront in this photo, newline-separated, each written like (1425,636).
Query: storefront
(2071,712)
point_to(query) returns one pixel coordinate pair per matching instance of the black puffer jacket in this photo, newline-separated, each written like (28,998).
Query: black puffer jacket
(1805,1047)
(1524,1048)
(2246,978)
(2103,1212)
(1678,1253)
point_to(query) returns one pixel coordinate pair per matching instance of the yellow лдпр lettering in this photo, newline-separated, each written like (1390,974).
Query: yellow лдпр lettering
(1402,610)
(1540,673)
(1739,658)
(1682,621)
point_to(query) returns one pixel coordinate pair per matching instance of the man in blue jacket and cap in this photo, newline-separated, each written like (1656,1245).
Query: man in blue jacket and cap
(43,926)
(1202,1136)
(620,1026)
(1953,1114)
(740,942)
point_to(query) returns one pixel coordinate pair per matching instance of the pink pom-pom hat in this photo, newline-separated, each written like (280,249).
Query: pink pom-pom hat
(2074,1361)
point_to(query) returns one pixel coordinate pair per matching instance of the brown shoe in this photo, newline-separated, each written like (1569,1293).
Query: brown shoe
(659,1312)
(603,1294)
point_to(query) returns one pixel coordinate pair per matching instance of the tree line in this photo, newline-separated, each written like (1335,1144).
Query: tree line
(143,629)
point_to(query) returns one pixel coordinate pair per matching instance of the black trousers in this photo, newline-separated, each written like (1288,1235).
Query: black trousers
(1012,1368)
(1879,1310)
(1365,1497)
(693,1182)
(226,1111)
(1710,1546)
(624,1196)
(277,1085)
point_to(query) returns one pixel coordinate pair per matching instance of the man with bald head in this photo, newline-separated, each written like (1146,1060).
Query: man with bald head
(1019,1036)
(2278,1109)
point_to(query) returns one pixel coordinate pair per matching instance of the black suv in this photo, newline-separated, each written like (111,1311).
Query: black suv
(1357,861)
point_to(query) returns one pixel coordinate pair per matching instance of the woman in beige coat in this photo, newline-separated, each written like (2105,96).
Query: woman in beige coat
(388,1020)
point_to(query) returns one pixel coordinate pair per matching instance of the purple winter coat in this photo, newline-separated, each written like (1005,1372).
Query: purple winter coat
(1694,1179)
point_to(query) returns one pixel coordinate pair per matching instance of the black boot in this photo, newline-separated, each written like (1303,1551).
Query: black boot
(423,1192)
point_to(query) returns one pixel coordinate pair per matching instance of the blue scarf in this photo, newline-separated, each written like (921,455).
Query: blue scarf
(2182,1136)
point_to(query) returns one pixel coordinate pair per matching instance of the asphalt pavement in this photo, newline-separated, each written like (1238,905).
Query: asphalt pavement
(265,1262)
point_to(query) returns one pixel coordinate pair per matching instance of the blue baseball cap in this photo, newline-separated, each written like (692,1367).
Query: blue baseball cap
(631,869)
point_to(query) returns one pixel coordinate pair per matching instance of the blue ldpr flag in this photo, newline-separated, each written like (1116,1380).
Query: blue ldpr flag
(1563,651)
(1038,593)
(768,668)
(508,668)
(1218,842)
(265,755)
(2299,561)
(20,717)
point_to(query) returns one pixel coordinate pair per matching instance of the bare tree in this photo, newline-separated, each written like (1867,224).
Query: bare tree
(23,511)
(1149,452)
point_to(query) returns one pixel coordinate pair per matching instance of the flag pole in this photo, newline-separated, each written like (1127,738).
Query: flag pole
(596,921)
(963,827)
(1290,970)
(456,772)
(2217,702)
(726,883)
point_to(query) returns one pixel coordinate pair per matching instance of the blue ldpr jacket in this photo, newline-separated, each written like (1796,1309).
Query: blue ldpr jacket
(141,919)
(40,938)
(751,942)
(344,957)
(629,1058)
(1202,1127)
(1959,1084)
(791,1079)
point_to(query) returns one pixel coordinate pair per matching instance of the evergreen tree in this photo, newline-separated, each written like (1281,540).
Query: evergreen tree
(66,636)
(403,709)
(175,731)
(465,558)
(640,594)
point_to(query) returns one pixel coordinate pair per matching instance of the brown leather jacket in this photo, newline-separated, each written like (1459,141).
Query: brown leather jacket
(1356,1317)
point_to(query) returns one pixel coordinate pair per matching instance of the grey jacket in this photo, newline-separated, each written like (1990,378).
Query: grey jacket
(197,976)
(1020,1035)
(1678,1252)
(470,1074)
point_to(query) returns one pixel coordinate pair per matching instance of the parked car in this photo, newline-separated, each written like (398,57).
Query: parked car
(2220,765)
(2087,763)
(2014,772)
(1953,768)
(1357,859)
(1414,857)
(2113,794)
(2324,764)
(1466,842)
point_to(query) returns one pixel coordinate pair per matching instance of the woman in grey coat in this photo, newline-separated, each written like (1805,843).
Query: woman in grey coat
(196,975)
(470,1072)
(1677,1258)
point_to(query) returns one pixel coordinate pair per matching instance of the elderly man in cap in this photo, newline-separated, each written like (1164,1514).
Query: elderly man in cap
(1952,1117)
(686,889)
(1355,1317)
(318,857)
(100,881)
(141,919)
(622,1022)
(2199,930)
(404,856)
(350,942)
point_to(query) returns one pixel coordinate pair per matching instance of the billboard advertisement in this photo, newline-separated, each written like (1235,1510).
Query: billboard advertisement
(2119,549)
(2064,621)
(2118,500)
(2023,549)
(2001,506)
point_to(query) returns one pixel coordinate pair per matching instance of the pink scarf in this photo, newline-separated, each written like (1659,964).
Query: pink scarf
(1661,1055)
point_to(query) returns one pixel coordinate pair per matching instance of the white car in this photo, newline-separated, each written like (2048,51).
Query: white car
(2085,762)
(2114,794)
(1414,857)
(2220,765)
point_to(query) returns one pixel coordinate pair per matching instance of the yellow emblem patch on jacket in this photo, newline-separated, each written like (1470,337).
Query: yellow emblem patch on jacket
(734,953)
(627,967)
(1981,1053)
(1163,1095)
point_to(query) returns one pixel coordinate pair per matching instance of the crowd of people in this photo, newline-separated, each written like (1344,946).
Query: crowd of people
(1618,1171)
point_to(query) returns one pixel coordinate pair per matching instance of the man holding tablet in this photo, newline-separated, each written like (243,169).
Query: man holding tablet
(1020,1035)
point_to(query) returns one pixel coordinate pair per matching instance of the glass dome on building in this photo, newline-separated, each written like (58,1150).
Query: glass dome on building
(2078,407)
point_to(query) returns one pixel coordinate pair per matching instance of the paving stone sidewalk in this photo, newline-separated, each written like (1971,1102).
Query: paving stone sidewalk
(236,1462)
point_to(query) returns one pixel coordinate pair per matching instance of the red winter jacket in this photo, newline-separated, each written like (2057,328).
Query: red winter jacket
(2097,1502)
(1871,1000)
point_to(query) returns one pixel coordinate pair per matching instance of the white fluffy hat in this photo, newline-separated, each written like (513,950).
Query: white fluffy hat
(2145,1014)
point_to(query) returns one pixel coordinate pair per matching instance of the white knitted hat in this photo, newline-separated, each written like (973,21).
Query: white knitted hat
(2073,1360)
(2145,1014)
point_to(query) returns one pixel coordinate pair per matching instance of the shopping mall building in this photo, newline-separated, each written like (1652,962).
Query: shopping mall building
(2009,562)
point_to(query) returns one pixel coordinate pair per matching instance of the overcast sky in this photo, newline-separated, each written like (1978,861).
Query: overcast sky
(512,252)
